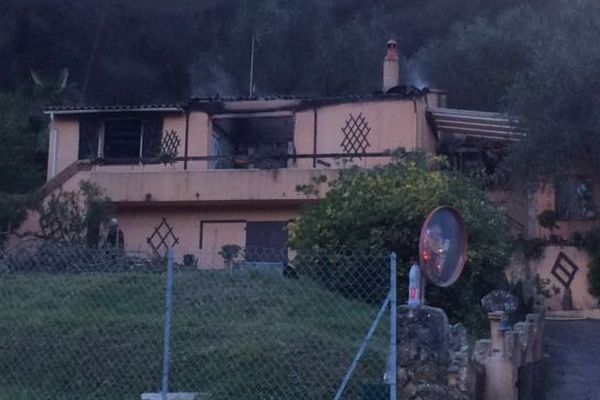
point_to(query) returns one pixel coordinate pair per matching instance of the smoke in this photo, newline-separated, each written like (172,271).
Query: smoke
(210,79)
(415,73)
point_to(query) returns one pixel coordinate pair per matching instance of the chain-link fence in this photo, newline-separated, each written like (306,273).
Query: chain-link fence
(89,324)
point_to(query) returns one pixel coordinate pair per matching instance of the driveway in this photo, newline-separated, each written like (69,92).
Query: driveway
(573,370)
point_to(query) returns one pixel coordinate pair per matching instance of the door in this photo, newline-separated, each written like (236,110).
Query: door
(266,241)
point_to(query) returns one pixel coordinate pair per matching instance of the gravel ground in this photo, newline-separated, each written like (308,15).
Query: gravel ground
(573,369)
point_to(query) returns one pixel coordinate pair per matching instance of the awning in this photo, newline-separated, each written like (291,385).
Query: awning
(481,125)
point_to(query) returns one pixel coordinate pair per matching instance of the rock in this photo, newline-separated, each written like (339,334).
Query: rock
(432,392)
(432,355)
(402,376)
(499,300)
(410,390)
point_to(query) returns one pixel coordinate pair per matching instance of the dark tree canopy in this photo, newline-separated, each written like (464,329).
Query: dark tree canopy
(19,166)
(120,51)
(556,97)
(477,63)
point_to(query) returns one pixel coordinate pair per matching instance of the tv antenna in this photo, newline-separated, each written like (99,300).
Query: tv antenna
(255,42)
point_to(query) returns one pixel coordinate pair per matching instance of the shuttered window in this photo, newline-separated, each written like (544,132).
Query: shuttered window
(122,139)
(129,138)
(152,126)
(89,128)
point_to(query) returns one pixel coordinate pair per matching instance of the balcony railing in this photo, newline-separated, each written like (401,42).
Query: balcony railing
(241,160)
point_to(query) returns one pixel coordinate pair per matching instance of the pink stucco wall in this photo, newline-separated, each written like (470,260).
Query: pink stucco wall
(67,144)
(145,192)
(222,225)
(392,124)
(581,297)
(205,186)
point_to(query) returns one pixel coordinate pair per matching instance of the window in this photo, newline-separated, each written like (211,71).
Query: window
(252,142)
(123,138)
(89,129)
(129,138)
(573,198)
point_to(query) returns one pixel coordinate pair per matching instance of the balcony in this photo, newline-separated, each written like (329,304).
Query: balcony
(173,185)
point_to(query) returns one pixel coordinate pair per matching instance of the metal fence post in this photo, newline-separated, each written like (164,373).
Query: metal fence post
(393,327)
(167,333)
(362,348)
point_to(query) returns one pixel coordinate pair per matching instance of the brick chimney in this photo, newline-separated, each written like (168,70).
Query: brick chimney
(391,66)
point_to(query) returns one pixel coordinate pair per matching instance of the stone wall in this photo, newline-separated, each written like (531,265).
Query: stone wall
(432,356)
(434,362)
(500,359)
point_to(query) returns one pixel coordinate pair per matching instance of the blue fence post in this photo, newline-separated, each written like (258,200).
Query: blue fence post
(393,327)
(361,349)
(167,333)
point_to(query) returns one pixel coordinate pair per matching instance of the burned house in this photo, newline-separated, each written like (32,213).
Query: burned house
(209,172)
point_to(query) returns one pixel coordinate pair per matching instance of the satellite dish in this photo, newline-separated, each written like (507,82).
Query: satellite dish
(443,246)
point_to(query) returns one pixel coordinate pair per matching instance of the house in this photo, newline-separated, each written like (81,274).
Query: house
(204,173)
(209,172)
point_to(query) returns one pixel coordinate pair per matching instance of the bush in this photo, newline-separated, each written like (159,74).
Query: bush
(363,276)
(532,249)
(75,217)
(591,243)
(594,275)
(382,209)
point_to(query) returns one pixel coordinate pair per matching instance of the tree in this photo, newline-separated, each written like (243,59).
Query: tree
(556,98)
(20,170)
(18,145)
(478,62)
(75,217)
(127,51)
(383,209)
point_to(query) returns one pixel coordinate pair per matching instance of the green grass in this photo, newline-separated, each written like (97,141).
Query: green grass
(245,336)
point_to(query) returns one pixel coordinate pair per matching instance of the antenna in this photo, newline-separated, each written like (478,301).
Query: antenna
(250,88)
(253,48)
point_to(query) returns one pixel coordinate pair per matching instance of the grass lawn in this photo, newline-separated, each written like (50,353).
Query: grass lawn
(242,336)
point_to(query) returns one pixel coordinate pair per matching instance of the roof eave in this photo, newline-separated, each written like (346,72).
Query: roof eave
(97,110)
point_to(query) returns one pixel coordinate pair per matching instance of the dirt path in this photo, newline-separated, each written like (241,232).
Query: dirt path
(574,364)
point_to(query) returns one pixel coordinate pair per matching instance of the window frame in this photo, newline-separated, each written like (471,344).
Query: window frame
(558,199)
(102,137)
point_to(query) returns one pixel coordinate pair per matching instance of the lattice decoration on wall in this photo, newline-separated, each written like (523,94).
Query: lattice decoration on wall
(169,147)
(162,238)
(564,270)
(356,130)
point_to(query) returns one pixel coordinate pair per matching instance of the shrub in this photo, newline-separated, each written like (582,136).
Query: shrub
(382,209)
(591,243)
(75,216)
